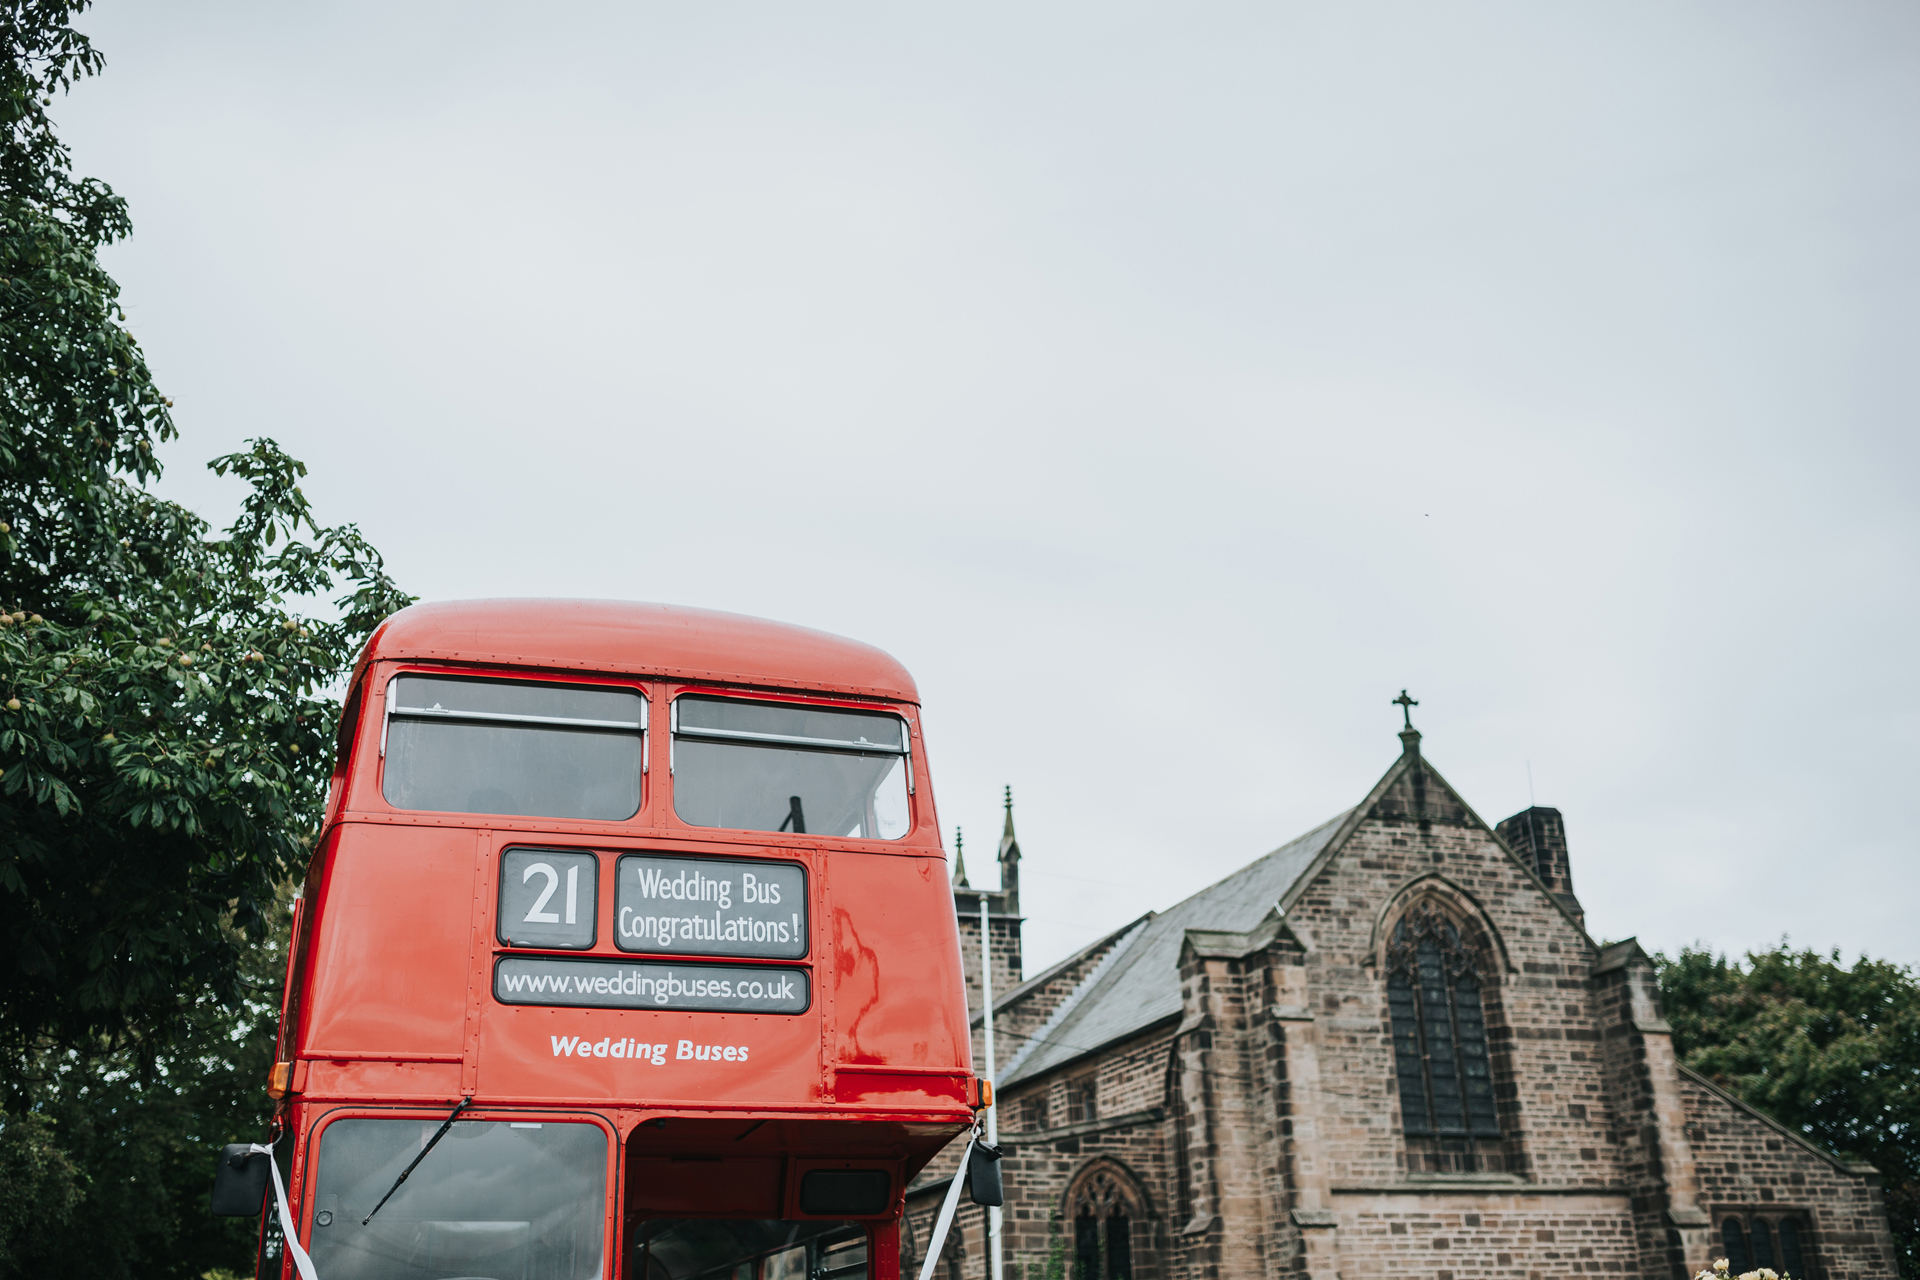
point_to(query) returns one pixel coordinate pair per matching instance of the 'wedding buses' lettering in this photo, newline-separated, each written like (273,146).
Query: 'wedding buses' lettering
(701,906)
(641,1051)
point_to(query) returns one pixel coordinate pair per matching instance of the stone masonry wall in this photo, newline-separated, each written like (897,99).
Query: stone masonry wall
(1006,961)
(1226,1116)
(1480,1236)
(1127,1139)
(1541,1026)
(1749,1167)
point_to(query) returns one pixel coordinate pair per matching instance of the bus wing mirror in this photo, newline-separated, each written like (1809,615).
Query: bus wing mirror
(240,1183)
(983,1176)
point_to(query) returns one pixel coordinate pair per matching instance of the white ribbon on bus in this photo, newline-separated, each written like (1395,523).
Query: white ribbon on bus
(301,1261)
(945,1220)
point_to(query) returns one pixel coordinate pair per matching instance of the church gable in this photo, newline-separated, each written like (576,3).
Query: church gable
(1415,835)
(1417,793)
(1417,911)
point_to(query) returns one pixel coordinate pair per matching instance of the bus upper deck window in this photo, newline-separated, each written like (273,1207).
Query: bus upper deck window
(504,746)
(769,766)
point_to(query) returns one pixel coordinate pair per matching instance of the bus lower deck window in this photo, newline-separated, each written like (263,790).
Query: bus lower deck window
(746,1249)
(766,766)
(513,747)
(493,1200)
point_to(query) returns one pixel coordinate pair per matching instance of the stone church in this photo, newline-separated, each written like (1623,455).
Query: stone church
(1388,1048)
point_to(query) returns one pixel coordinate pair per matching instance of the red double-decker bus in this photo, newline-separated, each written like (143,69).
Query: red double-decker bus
(627,949)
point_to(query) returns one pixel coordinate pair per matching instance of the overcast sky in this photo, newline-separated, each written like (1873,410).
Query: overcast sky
(1165,386)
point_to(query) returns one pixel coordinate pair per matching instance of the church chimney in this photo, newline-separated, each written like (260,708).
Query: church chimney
(1539,835)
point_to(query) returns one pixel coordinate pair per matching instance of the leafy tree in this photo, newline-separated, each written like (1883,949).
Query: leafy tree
(165,739)
(166,709)
(39,1188)
(138,1128)
(1831,1051)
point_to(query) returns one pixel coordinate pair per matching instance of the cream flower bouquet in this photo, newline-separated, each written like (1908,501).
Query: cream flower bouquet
(1719,1272)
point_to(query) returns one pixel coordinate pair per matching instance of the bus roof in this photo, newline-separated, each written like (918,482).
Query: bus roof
(630,637)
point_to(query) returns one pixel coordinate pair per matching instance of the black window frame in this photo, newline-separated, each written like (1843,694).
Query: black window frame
(305,1196)
(1784,1236)
(391,691)
(1083,1099)
(1435,1050)
(736,737)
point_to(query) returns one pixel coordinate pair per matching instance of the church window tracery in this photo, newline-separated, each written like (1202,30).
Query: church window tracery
(1439,1030)
(1104,1207)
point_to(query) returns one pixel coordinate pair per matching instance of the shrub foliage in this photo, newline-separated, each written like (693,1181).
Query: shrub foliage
(1829,1050)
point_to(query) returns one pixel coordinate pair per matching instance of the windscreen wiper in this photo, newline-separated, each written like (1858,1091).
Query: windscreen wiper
(795,816)
(451,1117)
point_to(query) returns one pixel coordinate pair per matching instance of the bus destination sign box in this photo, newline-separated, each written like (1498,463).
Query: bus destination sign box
(711,907)
(644,984)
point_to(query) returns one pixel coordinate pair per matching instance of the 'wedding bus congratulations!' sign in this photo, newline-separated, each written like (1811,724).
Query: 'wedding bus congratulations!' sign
(710,907)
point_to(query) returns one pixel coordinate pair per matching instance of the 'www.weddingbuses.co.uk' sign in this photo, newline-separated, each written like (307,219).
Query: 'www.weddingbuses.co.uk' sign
(705,906)
(650,984)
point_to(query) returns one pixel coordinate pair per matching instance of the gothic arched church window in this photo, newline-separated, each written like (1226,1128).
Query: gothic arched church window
(1439,1030)
(1790,1256)
(1086,1247)
(1119,1245)
(1105,1202)
(1733,1236)
(1103,1249)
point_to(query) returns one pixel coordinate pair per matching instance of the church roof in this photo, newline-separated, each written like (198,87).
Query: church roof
(1138,985)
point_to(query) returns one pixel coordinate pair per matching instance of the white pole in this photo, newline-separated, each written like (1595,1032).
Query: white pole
(993,1112)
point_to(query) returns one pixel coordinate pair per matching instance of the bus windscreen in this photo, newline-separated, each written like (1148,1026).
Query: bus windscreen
(498,1200)
(511,747)
(765,766)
